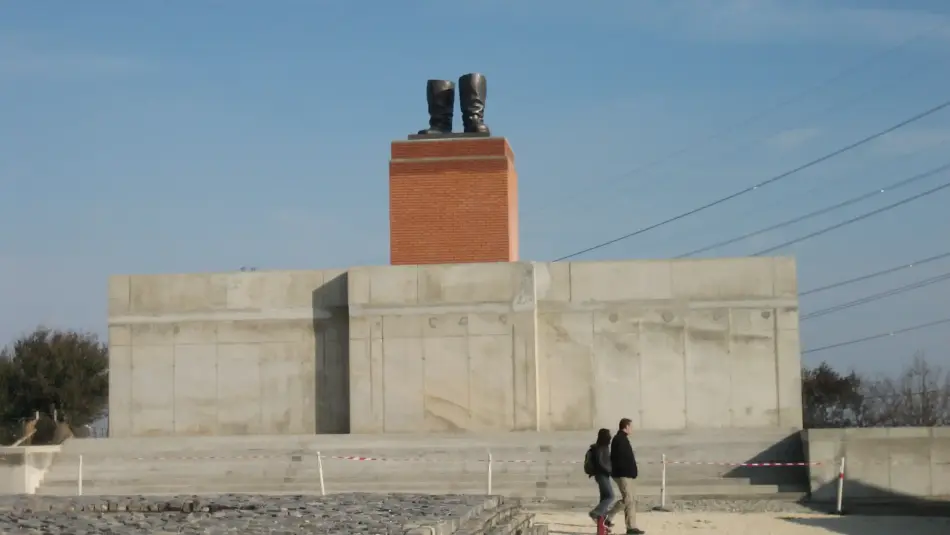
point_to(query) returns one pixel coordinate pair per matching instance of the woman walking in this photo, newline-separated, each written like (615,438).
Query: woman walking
(597,465)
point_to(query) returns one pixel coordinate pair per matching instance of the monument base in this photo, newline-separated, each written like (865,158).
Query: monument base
(450,135)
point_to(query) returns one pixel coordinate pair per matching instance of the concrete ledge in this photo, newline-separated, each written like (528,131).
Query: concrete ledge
(881,463)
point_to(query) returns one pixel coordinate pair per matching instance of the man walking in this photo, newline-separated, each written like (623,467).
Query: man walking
(624,471)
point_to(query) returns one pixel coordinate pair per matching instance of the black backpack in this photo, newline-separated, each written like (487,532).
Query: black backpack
(590,462)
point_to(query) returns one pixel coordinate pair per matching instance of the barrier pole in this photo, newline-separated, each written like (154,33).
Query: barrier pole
(323,488)
(663,484)
(79,478)
(489,471)
(838,508)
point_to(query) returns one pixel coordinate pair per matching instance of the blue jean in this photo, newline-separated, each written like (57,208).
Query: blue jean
(606,490)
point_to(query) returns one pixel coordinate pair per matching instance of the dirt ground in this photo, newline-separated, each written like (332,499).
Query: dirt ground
(563,523)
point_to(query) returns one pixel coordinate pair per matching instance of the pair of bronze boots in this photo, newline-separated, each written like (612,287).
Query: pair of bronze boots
(440,95)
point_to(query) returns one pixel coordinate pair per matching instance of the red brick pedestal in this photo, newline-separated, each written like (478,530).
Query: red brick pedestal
(453,200)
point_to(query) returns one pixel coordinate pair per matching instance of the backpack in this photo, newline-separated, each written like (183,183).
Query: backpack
(590,462)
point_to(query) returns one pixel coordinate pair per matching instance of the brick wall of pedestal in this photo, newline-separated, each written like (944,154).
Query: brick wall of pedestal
(453,200)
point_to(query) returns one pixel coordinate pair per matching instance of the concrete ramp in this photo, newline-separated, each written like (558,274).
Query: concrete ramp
(522,464)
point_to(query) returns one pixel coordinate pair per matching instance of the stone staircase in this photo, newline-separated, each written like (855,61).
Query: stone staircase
(523,465)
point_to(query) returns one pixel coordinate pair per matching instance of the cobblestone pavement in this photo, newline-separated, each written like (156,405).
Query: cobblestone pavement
(375,514)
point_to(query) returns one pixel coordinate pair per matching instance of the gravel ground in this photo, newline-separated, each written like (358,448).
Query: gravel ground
(251,515)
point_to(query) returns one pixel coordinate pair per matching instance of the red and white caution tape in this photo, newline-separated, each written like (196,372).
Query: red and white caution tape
(760,465)
(435,460)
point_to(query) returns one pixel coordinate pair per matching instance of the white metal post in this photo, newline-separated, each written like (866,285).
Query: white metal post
(323,489)
(838,509)
(26,473)
(663,484)
(489,471)
(79,478)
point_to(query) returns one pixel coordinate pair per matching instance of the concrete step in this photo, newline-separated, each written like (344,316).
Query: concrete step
(562,492)
(524,480)
(530,440)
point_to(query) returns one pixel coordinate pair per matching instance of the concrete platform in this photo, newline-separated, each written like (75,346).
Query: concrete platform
(523,464)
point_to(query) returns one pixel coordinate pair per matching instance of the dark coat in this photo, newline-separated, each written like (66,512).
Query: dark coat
(602,466)
(622,459)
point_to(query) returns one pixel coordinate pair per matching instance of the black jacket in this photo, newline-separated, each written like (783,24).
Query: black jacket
(601,460)
(622,459)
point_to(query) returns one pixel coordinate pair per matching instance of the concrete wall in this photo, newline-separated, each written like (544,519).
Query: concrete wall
(228,353)
(443,348)
(883,463)
(683,344)
(678,344)
(22,468)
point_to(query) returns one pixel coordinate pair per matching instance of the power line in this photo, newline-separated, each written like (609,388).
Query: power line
(887,271)
(849,202)
(877,296)
(717,134)
(767,182)
(855,219)
(876,336)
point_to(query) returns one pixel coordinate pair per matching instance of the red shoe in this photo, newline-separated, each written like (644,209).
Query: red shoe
(602,528)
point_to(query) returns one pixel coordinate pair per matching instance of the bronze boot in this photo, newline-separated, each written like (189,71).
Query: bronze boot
(473,90)
(440,94)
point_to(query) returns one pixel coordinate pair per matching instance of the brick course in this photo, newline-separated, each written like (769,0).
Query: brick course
(453,201)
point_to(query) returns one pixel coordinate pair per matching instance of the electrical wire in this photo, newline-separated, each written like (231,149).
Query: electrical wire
(875,297)
(877,336)
(722,132)
(855,219)
(848,202)
(767,182)
(769,205)
(887,271)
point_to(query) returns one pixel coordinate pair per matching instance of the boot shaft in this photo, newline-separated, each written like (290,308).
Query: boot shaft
(440,96)
(473,91)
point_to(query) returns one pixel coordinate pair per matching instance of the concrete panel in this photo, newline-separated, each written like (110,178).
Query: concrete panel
(283,387)
(239,388)
(940,462)
(663,371)
(120,289)
(163,294)
(366,386)
(270,290)
(491,376)
(471,283)
(332,372)
(910,467)
(196,389)
(394,285)
(617,380)
(786,277)
(567,350)
(403,385)
(891,463)
(553,281)
(120,391)
(120,335)
(722,278)
(447,397)
(708,381)
(529,372)
(620,281)
(789,378)
(153,402)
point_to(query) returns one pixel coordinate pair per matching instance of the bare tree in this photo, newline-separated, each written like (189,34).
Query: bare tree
(920,396)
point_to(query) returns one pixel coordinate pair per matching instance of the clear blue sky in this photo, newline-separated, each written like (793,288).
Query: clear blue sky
(150,137)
